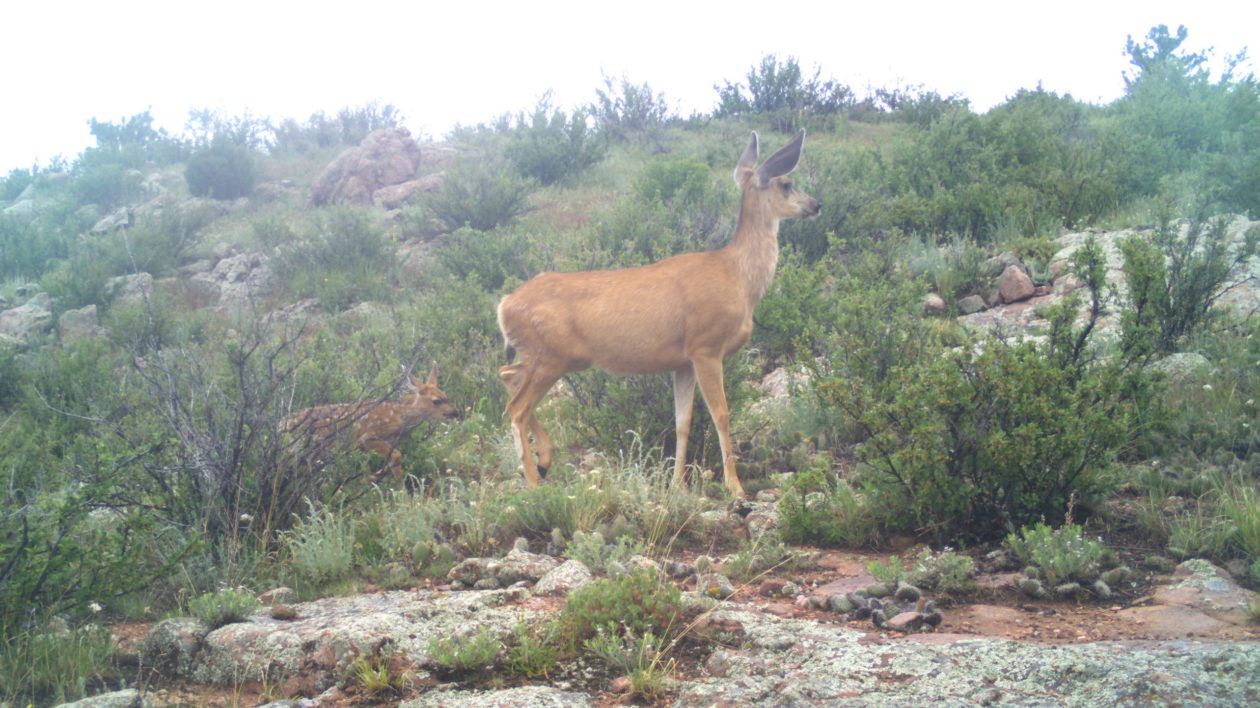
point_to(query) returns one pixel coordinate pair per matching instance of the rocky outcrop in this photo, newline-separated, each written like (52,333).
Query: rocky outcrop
(801,663)
(386,158)
(19,325)
(1013,306)
(312,651)
(236,281)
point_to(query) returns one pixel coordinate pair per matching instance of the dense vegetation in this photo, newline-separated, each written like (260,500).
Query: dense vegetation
(142,469)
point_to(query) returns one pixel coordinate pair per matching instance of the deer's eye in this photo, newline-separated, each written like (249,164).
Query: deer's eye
(786,187)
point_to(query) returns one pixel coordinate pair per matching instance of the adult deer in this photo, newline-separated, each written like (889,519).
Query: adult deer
(683,315)
(376,426)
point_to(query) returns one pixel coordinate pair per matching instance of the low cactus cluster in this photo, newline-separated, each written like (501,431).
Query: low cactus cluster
(1064,563)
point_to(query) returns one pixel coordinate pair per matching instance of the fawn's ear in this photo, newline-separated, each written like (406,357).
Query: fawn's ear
(432,375)
(412,383)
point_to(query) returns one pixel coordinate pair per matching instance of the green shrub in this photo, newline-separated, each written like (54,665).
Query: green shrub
(973,445)
(13,184)
(1060,555)
(321,547)
(625,111)
(946,571)
(638,603)
(1174,279)
(779,91)
(641,659)
(596,553)
(764,553)
(222,170)
(223,607)
(818,509)
(53,665)
(550,145)
(343,258)
(488,258)
(29,249)
(480,194)
(458,657)
(105,183)
(533,651)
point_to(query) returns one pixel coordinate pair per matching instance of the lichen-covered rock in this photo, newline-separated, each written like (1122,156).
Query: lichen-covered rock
(520,697)
(315,649)
(714,585)
(172,644)
(786,662)
(31,319)
(129,698)
(564,578)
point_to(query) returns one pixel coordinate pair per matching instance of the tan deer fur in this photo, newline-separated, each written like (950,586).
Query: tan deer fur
(683,315)
(376,426)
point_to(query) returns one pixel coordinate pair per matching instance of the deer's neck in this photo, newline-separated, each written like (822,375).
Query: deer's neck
(755,247)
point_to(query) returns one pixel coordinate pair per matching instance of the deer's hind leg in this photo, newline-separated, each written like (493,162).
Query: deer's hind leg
(527,387)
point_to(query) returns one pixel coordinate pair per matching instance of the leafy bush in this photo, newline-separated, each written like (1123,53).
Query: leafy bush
(349,127)
(641,659)
(1174,279)
(488,258)
(481,195)
(343,259)
(778,90)
(550,145)
(638,603)
(53,665)
(533,651)
(596,553)
(459,656)
(946,571)
(13,184)
(321,547)
(977,444)
(818,509)
(762,554)
(223,170)
(625,111)
(223,607)
(1060,555)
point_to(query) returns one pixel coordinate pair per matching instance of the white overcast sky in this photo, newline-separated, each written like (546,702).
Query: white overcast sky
(467,61)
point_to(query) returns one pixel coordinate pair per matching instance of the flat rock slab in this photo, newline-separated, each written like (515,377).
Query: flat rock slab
(791,662)
(313,651)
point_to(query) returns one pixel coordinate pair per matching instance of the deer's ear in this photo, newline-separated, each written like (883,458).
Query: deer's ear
(412,383)
(748,160)
(433,375)
(782,162)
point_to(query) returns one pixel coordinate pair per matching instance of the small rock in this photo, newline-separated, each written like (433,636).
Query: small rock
(772,587)
(971,304)
(621,684)
(679,570)
(1015,285)
(283,612)
(905,622)
(715,585)
(933,304)
(563,579)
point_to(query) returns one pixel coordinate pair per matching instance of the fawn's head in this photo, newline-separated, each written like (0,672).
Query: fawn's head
(427,401)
